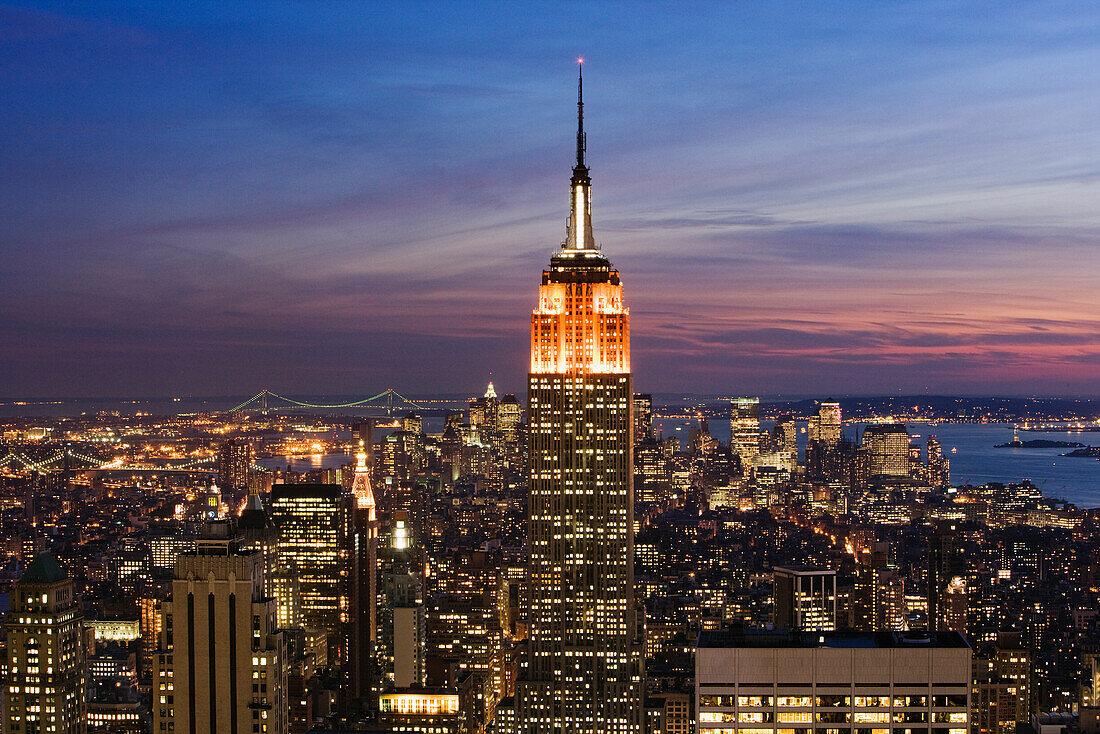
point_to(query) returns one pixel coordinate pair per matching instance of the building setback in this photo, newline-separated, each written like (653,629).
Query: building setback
(584,670)
(221,666)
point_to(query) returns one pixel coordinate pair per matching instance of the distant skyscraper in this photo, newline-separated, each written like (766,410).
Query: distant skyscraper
(484,411)
(312,520)
(46,664)
(213,508)
(401,614)
(887,447)
(234,463)
(939,466)
(785,435)
(745,430)
(945,564)
(221,667)
(825,426)
(258,533)
(643,417)
(510,415)
(413,423)
(805,598)
(827,456)
(584,670)
(363,626)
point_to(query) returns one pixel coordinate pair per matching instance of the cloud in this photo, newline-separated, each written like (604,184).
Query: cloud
(207,195)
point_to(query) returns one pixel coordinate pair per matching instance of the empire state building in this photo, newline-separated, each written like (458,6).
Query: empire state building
(584,669)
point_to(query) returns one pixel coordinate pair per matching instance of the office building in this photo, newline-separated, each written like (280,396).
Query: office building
(467,624)
(775,682)
(484,411)
(887,449)
(939,466)
(312,555)
(46,666)
(805,598)
(643,417)
(221,666)
(785,435)
(652,480)
(234,464)
(258,533)
(825,426)
(509,417)
(402,622)
(745,430)
(363,626)
(946,571)
(583,672)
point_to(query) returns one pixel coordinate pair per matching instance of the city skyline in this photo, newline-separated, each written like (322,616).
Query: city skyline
(812,202)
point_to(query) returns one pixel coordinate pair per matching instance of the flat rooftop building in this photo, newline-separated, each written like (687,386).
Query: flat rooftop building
(783,682)
(805,598)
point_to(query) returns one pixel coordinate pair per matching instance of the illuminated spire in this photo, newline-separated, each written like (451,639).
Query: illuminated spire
(491,392)
(364,496)
(581,143)
(579,235)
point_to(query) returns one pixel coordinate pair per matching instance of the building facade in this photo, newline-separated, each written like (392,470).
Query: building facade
(805,598)
(759,682)
(363,627)
(887,449)
(583,672)
(745,430)
(312,556)
(47,668)
(221,666)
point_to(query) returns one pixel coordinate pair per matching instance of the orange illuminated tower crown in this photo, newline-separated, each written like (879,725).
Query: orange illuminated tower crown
(580,325)
(583,672)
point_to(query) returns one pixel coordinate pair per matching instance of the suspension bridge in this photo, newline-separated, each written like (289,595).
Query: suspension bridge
(67,458)
(388,399)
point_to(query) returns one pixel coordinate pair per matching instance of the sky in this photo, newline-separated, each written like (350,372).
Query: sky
(339,197)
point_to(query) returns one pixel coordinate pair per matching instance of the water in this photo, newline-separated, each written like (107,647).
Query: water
(311,462)
(1076,480)
(975,461)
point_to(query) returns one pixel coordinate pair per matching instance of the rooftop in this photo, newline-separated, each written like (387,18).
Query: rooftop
(758,638)
(803,569)
(44,569)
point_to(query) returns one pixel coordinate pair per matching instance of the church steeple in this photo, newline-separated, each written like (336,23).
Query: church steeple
(579,236)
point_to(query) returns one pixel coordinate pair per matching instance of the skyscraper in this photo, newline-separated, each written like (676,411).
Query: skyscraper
(584,667)
(313,530)
(46,663)
(221,666)
(363,627)
(939,466)
(401,619)
(825,426)
(805,598)
(887,447)
(258,534)
(234,463)
(643,417)
(745,430)
(945,564)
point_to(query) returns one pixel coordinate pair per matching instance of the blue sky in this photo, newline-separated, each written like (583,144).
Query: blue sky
(803,198)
